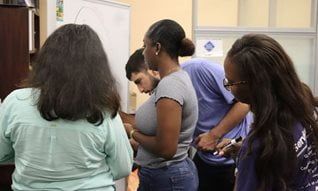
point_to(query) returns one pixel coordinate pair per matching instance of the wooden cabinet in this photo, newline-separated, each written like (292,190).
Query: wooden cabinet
(19,41)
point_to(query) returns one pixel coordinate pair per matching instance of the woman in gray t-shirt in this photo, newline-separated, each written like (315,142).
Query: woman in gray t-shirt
(166,121)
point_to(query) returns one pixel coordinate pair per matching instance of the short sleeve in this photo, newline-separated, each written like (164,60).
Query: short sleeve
(208,76)
(171,87)
(215,79)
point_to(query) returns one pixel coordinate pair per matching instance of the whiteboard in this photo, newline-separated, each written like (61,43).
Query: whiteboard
(111,21)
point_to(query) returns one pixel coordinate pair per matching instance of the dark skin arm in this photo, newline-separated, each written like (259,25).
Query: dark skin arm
(127,118)
(230,151)
(134,144)
(164,143)
(208,141)
(129,121)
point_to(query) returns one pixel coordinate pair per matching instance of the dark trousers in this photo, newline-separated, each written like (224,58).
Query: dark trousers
(214,178)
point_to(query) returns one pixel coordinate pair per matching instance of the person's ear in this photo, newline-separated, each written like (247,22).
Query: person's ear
(155,74)
(158,48)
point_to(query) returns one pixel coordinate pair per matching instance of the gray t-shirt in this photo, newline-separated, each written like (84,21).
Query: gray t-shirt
(176,86)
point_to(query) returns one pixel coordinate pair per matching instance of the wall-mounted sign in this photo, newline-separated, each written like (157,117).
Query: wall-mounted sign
(209,48)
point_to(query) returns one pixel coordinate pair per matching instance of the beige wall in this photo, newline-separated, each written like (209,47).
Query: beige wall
(254,13)
(43,21)
(146,12)
(293,13)
(250,17)
(217,12)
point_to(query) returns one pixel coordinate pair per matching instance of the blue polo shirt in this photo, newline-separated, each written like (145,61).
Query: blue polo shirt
(214,103)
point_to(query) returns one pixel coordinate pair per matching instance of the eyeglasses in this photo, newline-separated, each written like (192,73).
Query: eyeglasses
(227,85)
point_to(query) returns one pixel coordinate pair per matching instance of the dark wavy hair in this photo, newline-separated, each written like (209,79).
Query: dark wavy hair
(74,78)
(278,100)
(136,63)
(172,38)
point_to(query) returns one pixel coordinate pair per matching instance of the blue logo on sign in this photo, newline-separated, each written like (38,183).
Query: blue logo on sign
(209,46)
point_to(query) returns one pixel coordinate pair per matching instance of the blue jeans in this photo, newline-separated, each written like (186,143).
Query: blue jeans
(181,176)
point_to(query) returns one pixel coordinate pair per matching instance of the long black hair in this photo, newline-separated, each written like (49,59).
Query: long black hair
(278,100)
(74,78)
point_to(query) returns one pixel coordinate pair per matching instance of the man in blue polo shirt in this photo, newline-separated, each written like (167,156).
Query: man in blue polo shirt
(220,116)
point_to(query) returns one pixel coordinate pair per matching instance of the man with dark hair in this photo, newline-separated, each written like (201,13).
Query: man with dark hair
(138,72)
(146,80)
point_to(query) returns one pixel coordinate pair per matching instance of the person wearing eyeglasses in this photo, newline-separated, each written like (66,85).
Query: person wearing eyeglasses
(228,84)
(220,116)
(281,149)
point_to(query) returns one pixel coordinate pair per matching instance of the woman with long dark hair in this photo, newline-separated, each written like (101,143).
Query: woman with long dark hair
(281,150)
(62,129)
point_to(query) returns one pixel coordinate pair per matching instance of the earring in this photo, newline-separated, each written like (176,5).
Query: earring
(156,53)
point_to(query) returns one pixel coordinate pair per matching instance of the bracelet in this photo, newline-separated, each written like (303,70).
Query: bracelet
(131,133)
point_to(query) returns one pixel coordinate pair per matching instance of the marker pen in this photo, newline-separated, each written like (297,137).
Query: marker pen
(231,143)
